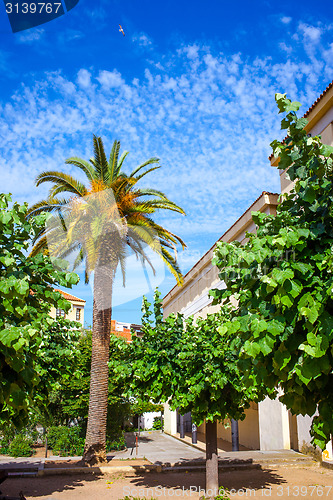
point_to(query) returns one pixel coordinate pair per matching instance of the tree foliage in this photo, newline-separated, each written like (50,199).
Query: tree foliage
(191,365)
(26,296)
(282,280)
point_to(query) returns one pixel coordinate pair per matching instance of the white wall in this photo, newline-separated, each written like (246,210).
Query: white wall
(303,428)
(170,420)
(273,425)
(147,419)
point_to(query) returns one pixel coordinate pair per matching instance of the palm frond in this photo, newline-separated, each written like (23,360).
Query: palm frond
(158,204)
(138,193)
(135,244)
(84,165)
(86,276)
(172,265)
(70,184)
(83,229)
(143,165)
(138,177)
(120,163)
(101,162)
(79,258)
(113,161)
(49,205)
(39,247)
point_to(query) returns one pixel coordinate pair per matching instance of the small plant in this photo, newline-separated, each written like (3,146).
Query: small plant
(312,451)
(7,434)
(4,447)
(21,446)
(115,444)
(65,441)
(223,495)
(129,428)
(157,424)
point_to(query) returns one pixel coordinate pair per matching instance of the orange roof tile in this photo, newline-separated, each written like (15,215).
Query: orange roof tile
(68,296)
(319,98)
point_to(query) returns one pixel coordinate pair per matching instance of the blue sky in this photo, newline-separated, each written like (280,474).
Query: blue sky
(191,82)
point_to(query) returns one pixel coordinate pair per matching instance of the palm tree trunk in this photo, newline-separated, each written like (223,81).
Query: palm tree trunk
(94,449)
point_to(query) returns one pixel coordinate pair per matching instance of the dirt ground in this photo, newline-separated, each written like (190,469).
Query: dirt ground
(277,482)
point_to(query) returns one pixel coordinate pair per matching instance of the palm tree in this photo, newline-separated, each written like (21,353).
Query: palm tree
(100,220)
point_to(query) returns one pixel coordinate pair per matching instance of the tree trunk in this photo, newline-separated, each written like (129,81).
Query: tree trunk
(94,449)
(234,435)
(212,466)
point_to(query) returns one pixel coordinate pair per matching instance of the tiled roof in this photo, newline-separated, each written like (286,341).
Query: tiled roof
(311,108)
(68,296)
(319,98)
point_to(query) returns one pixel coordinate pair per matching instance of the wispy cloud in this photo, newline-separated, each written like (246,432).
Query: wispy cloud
(286,20)
(209,116)
(110,79)
(31,36)
(310,33)
(143,40)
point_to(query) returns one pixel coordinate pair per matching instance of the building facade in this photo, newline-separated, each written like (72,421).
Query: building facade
(267,425)
(125,330)
(76,312)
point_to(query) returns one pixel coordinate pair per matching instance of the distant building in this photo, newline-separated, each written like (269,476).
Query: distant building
(76,312)
(124,330)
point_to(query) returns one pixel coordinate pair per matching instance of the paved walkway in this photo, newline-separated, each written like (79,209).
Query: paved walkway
(159,448)
(222,445)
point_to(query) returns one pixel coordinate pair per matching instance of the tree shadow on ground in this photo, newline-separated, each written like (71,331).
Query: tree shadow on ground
(130,440)
(47,485)
(256,479)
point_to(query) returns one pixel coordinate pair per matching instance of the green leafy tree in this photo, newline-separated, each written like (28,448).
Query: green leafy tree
(192,366)
(104,217)
(56,365)
(283,282)
(26,296)
(73,395)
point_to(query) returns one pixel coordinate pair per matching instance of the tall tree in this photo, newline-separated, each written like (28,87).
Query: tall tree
(283,281)
(100,220)
(192,366)
(26,329)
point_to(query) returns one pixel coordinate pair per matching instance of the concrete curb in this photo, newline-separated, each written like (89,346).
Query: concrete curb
(104,470)
(142,469)
(327,465)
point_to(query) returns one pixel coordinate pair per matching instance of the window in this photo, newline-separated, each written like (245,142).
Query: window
(78,314)
(59,313)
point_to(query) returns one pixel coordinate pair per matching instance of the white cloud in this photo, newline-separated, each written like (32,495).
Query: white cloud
(209,116)
(310,33)
(110,79)
(286,48)
(142,39)
(84,78)
(286,20)
(31,35)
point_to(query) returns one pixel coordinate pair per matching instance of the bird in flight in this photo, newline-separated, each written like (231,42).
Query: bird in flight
(121,30)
